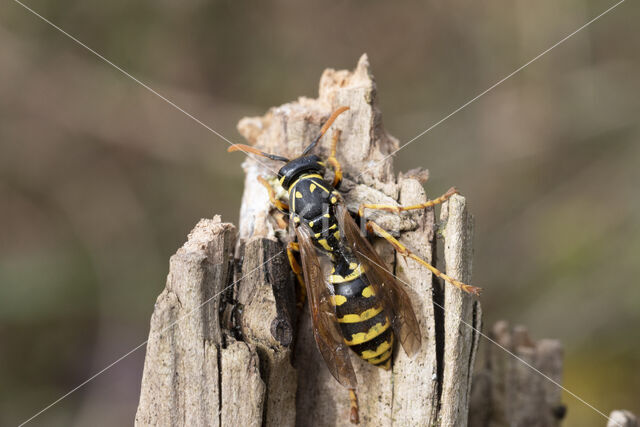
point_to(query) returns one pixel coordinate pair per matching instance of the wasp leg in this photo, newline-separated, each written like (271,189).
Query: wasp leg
(372,227)
(396,209)
(333,161)
(297,270)
(272,196)
(353,398)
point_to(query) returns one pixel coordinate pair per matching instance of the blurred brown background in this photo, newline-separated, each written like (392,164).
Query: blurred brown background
(100,181)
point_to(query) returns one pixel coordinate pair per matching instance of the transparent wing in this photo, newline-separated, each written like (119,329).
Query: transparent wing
(395,299)
(323,315)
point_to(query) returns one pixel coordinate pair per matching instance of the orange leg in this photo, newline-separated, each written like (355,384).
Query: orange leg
(353,398)
(396,209)
(372,227)
(333,161)
(272,195)
(297,270)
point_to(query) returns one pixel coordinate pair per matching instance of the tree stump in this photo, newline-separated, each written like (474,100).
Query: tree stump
(196,373)
(506,392)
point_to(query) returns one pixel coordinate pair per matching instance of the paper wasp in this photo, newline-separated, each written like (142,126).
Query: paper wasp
(354,301)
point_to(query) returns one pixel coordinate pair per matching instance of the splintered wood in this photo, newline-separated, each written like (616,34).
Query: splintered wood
(181,379)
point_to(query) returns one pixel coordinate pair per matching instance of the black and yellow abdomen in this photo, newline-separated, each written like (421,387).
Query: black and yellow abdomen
(365,326)
(363,322)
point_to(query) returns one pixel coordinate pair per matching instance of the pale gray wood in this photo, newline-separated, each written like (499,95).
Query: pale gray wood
(461,314)
(195,374)
(180,383)
(415,382)
(266,293)
(241,388)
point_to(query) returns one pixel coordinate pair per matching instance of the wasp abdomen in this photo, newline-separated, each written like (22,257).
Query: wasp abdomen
(365,325)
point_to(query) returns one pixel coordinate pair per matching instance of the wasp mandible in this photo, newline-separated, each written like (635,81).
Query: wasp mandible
(355,303)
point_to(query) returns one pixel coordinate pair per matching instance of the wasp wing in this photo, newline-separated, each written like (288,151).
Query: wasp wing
(394,298)
(323,314)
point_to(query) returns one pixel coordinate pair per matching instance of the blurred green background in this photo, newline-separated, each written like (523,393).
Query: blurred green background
(100,181)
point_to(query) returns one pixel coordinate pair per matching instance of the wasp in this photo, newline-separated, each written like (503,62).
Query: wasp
(356,304)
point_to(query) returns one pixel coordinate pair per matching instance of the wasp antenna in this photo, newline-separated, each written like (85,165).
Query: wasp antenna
(325,127)
(253,150)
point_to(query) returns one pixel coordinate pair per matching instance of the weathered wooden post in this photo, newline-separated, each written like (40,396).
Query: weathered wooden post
(197,374)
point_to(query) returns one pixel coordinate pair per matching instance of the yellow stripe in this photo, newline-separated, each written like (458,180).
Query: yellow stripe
(365,315)
(312,187)
(375,330)
(336,278)
(324,244)
(368,292)
(313,175)
(352,276)
(322,188)
(382,358)
(368,354)
(338,299)
(318,184)
(337,235)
